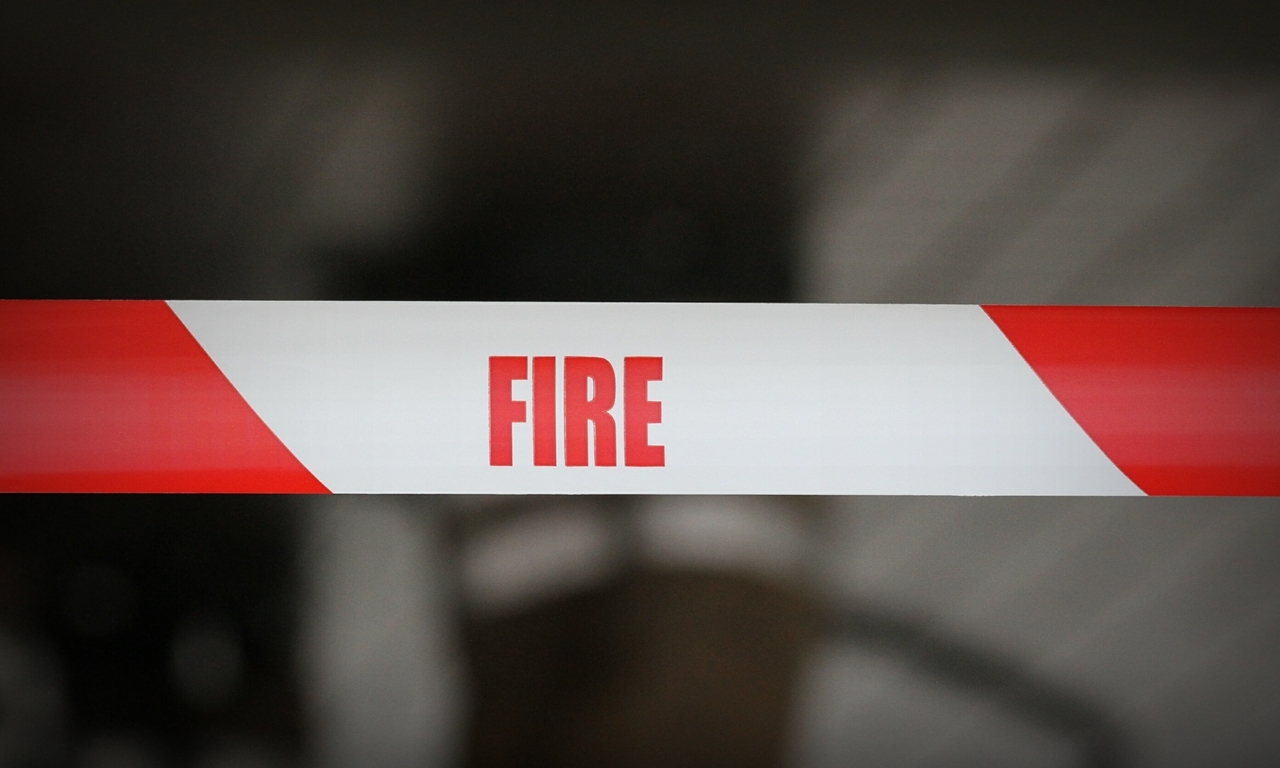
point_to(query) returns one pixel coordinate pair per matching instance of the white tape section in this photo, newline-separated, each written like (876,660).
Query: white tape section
(768,399)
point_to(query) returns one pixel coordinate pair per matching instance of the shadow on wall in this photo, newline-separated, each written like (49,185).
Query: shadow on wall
(147,631)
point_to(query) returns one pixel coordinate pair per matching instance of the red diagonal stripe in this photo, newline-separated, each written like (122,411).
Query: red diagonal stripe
(1185,400)
(117,396)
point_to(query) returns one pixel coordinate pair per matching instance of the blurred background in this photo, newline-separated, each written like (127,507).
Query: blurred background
(921,151)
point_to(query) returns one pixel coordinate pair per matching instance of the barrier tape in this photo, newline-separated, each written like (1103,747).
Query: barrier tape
(315,397)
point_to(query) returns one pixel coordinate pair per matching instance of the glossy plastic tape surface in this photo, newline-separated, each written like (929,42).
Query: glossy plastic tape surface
(315,397)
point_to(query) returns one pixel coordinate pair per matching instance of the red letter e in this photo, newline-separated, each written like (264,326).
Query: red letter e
(640,411)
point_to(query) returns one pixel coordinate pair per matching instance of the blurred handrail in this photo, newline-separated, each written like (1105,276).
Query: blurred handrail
(997,677)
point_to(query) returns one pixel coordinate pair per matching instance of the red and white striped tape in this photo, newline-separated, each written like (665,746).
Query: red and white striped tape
(300,397)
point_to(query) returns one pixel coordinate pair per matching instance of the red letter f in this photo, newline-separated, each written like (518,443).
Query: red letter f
(503,411)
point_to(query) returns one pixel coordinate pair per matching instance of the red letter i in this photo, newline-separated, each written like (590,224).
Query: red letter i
(544,411)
